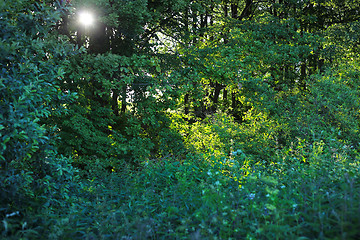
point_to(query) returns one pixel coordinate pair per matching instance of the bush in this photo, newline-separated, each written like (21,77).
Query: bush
(33,178)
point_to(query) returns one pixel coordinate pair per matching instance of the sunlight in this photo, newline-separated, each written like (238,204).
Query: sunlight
(86,18)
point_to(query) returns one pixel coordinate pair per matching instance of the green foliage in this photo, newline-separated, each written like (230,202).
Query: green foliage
(32,175)
(343,41)
(186,124)
(168,199)
(120,112)
(251,61)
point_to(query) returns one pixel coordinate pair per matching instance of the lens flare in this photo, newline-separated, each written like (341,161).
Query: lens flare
(86,18)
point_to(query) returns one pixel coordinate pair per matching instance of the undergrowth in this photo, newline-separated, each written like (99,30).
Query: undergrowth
(308,190)
(249,180)
(192,199)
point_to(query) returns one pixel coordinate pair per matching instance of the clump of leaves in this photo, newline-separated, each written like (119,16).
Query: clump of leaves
(33,178)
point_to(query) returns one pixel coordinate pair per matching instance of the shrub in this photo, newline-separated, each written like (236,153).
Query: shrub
(33,178)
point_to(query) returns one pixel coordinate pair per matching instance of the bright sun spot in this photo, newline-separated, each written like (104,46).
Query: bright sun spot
(86,18)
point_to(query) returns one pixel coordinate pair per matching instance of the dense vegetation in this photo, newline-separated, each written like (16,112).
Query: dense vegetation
(180,119)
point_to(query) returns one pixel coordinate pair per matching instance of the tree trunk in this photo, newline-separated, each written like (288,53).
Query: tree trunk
(114,105)
(186,103)
(79,36)
(226,10)
(234,10)
(216,95)
(247,12)
(123,99)
(233,101)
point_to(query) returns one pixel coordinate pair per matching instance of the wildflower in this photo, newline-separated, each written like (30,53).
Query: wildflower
(251,196)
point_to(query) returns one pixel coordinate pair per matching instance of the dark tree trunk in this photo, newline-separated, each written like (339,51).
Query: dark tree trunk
(186,103)
(216,95)
(234,10)
(247,12)
(273,9)
(226,10)
(233,101)
(123,99)
(321,63)
(303,70)
(115,105)
(79,36)
(225,95)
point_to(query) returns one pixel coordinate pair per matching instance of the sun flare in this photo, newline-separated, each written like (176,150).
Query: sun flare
(86,18)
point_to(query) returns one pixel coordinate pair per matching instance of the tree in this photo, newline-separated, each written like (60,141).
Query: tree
(142,57)
(122,78)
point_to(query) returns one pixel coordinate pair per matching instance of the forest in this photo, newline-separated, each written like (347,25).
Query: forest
(179,119)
